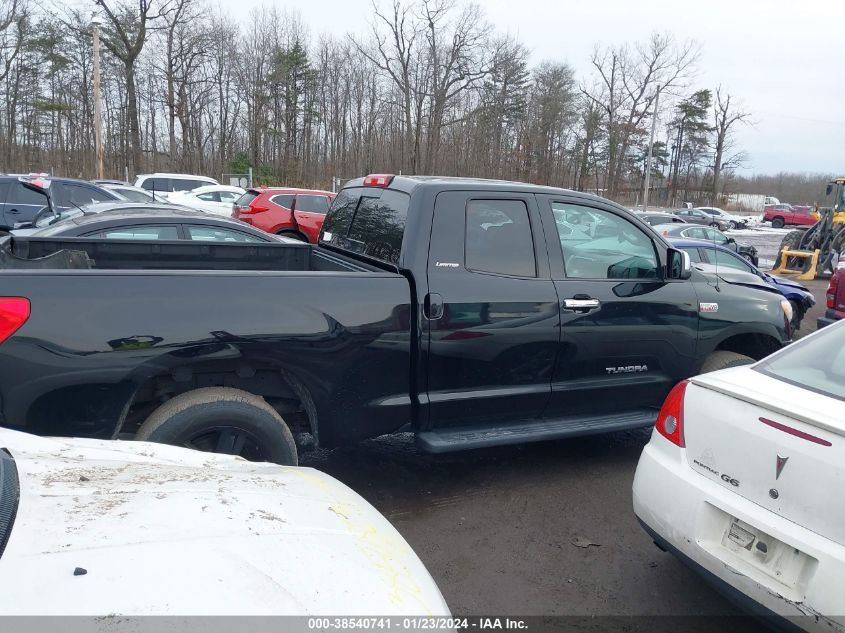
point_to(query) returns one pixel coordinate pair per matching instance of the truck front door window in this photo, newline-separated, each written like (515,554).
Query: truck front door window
(597,244)
(498,238)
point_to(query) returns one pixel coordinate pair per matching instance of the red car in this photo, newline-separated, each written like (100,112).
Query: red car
(297,213)
(835,296)
(782,214)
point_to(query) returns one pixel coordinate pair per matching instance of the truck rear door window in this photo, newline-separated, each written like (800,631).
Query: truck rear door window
(498,238)
(368,221)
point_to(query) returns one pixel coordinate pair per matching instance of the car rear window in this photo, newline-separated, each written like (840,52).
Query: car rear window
(816,363)
(245,199)
(368,221)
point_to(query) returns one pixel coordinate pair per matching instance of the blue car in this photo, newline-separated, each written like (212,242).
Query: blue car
(799,297)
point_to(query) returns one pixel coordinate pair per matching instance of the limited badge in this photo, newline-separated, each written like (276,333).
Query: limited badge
(708,307)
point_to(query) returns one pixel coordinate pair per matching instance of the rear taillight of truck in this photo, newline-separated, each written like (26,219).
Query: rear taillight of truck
(833,288)
(670,421)
(14,311)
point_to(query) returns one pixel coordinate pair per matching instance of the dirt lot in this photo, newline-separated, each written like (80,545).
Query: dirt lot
(542,529)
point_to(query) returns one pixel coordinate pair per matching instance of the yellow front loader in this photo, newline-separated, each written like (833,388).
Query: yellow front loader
(814,252)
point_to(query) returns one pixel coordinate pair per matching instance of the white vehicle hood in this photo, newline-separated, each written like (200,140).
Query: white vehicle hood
(165,530)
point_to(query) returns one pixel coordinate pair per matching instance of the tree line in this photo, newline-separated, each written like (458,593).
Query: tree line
(430,87)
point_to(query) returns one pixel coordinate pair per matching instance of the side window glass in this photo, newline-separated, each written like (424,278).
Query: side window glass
(725,259)
(312,204)
(283,200)
(215,234)
(694,255)
(211,196)
(695,234)
(79,196)
(498,238)
(157,184)
(21,195)
(716,236)
(139,233)
(597,244)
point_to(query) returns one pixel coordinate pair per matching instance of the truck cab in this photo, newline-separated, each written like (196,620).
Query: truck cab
(542,312)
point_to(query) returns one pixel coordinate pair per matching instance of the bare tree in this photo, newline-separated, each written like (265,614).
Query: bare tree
(725,118)
(124,38)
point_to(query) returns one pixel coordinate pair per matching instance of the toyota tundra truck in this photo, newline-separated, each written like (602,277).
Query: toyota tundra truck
(470,312)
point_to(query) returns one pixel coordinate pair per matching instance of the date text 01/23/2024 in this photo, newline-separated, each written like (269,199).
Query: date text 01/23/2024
(416,623)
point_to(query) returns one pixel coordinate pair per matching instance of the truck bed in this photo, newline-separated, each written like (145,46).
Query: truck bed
(116,327)
(74,253)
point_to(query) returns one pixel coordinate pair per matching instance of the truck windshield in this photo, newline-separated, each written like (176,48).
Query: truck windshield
(368,221)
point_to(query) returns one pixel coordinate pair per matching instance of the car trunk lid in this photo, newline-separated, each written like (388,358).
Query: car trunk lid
(776,444)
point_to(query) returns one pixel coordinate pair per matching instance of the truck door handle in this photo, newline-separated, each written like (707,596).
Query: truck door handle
(581,303)
(433,306)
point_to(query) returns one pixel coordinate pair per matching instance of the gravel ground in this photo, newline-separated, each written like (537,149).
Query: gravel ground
(541,529)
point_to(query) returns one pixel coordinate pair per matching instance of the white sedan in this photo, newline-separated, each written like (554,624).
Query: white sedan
(108,528)
(743,481)
(216,199)
(733,221)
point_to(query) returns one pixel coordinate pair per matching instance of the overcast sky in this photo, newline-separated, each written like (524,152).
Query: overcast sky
(783,59)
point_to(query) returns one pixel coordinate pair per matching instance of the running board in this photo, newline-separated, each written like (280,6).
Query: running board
(539,430)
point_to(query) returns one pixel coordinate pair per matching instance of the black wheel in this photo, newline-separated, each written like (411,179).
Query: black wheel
(732,225)
(222,420)
(294,235)
(722,359)
(715,225)
(797,314)
(747,257)
(778,223)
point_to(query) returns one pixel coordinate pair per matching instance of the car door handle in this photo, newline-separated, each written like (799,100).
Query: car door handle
(581,303)
(14,211)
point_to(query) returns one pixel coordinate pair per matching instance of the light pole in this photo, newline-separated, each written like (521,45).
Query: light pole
(650,146)
(96,21)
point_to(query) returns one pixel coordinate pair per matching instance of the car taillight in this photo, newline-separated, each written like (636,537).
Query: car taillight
(670,420)
(832,289)
(14,311)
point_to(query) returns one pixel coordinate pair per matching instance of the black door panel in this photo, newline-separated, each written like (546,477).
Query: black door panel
(627,335)
(492,339)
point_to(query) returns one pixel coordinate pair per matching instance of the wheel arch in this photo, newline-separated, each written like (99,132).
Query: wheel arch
(282,388)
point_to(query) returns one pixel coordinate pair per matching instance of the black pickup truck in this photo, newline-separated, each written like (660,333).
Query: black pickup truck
(471,312)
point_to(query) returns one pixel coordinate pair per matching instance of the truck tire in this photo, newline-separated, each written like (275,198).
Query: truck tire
(777,223)
(222,420)
(722,359)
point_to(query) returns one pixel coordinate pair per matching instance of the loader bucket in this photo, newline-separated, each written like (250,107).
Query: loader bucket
(810,262)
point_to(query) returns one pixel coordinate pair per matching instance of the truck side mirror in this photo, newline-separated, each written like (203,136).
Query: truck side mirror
(678,264)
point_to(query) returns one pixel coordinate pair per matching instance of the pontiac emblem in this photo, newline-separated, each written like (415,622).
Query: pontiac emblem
(781,462)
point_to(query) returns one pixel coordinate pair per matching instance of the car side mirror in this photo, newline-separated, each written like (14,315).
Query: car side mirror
(678,264)
(731,241)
